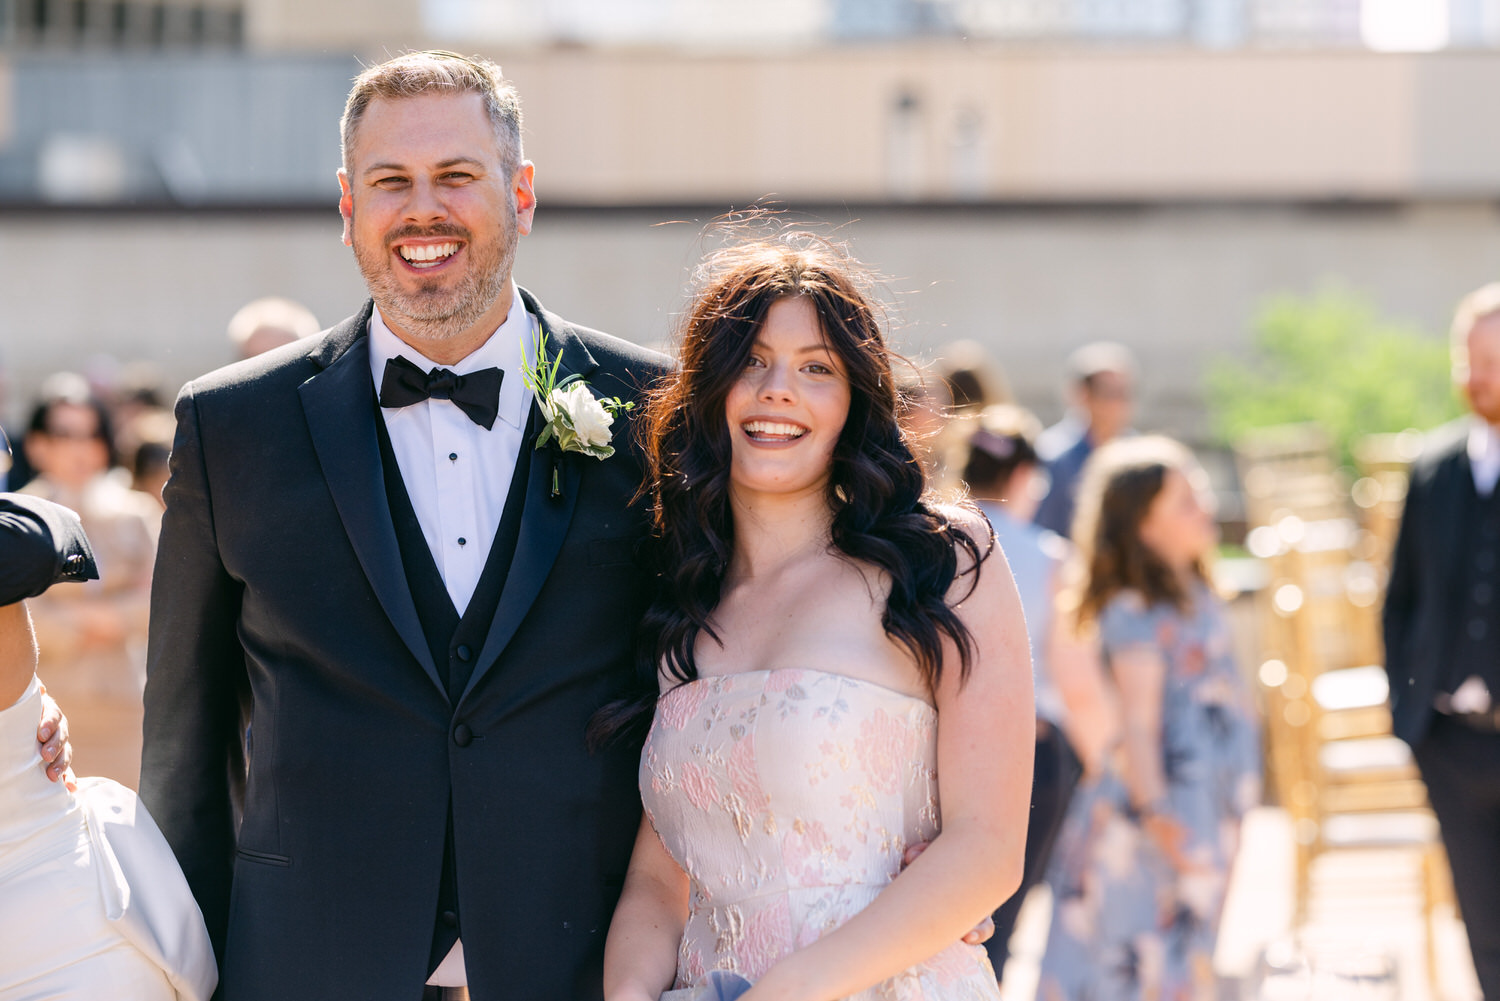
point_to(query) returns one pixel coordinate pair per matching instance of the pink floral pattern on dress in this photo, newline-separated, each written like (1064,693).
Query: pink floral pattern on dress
(884,749)
(788,797)
(697,785)
(778,682)
(679,706)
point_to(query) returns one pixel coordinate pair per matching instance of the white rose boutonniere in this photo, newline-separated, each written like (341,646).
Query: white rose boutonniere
(577,421)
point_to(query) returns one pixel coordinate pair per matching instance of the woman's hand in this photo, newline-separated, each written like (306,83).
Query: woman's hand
(52,734)
(1169,836)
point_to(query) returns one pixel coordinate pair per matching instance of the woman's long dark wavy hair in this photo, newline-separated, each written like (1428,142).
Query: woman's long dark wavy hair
(875,488)
(1120,483)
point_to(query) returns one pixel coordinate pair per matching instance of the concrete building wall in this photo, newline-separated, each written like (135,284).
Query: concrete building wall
(941,122)
(1180,284)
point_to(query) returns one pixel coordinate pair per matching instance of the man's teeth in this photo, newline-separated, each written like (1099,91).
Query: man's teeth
(425,254)
(773,429)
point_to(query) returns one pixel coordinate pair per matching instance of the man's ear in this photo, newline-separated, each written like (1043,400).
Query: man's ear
(346,206)
(525,195)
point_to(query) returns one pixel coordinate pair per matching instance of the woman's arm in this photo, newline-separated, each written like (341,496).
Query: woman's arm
(986,735)
(1140,675)
(17,653)
(640,955)
(1091,721)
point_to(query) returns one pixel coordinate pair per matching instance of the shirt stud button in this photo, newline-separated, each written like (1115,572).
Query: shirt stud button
(462,541)
(452,456)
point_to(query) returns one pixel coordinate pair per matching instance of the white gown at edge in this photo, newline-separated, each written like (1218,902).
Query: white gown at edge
(92,903)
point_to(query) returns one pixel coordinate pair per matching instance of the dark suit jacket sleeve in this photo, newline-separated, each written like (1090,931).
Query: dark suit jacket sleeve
(1401,593)
(29,559)
(41,544)
(193,764)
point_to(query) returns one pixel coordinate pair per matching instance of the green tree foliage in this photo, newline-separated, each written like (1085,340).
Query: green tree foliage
(1331,359)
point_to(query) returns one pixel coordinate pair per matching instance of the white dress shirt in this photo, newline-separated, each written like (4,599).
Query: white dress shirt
(1484,456)
(457,474)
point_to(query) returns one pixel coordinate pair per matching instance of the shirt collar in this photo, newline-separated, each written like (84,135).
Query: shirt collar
(1484,442)
(501,350)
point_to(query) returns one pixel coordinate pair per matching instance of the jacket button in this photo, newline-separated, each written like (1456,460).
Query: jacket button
(450,919)
(462,735)
(464,653)
(74,563)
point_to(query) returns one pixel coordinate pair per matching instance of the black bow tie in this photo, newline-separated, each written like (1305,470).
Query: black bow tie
(477,394)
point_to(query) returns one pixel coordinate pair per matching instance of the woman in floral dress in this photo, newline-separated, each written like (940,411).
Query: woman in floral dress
(825,637)
(1142,866)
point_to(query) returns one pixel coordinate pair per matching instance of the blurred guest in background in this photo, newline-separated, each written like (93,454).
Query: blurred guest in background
(973,379)
(269,323)
(1001,469)
(1101,397)
(137,390)
(92,638)
(14,469)
(1144,859)
(923,408)
(1442,628)
(145,446)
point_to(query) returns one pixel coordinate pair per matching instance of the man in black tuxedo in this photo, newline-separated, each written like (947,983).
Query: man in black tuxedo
(381,619)
(1442,629)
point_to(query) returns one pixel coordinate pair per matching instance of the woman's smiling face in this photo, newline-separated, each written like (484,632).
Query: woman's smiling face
(788,407)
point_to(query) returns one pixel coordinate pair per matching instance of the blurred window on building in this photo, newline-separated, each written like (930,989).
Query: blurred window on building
(120,24)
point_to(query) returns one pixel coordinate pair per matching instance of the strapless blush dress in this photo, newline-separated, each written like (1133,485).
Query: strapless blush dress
(788,797)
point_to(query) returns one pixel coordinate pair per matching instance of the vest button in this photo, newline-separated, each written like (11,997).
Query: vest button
(463,653)
(462,735)
(450,919)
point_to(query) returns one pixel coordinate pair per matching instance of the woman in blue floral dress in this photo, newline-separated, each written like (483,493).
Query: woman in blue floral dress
(1141,868)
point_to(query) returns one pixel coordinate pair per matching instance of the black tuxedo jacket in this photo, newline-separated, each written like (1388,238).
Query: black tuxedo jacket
(1424,599)
(280,603)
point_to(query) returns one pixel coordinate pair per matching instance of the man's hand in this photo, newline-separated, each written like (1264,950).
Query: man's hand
(52,734)
(980,933)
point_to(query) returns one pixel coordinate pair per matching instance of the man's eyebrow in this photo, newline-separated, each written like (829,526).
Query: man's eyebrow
(377,168)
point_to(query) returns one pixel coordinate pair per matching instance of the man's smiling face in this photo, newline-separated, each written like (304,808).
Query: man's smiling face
(433,206)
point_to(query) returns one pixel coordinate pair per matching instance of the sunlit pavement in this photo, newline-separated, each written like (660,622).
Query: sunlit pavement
(1364,908)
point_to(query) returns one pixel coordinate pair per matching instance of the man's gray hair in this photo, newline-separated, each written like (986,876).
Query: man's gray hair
(413,74)
(1480,304)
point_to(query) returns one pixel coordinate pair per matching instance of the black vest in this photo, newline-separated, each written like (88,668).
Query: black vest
(455,641)
(1476,640)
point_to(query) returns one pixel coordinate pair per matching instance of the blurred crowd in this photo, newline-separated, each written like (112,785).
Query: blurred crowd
(99,443)
(1147,737)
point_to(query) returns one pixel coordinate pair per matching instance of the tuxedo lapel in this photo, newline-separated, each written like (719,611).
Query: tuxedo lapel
(339,403)
(1457,483)
(545,518)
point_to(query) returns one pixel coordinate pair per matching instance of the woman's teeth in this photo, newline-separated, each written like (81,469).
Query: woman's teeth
(426,256)
(773,430)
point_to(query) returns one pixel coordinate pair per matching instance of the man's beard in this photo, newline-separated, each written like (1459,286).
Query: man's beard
(433,312)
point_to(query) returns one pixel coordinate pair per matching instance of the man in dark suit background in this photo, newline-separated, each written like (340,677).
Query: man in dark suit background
(366,564)
(1101,398)
(1442,629)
